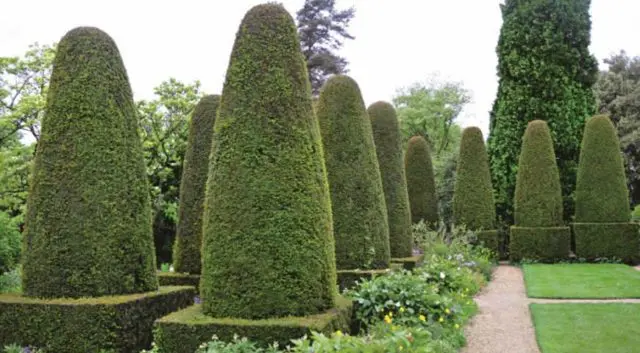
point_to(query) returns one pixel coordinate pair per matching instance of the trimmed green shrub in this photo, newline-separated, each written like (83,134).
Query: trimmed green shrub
(88,222)
(420,181)
(360,225)
(388,143)
(608,240)
(268,247)
(473,196)
(538,199)
(546,244)
(184,331)
(178,279)
(601,188)
(119,323)
(186,251)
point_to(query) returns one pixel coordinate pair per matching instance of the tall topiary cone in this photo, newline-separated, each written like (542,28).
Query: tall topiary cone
(88,224)
(388,142)
(360,223)
(473,204)
(602,227)
(186,252)
(268,247)
(421,184)
(538,232)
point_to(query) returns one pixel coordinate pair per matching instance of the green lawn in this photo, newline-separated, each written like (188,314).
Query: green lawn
(587,328)
(582,281)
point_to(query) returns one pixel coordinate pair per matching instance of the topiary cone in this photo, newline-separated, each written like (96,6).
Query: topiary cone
(388,143)
(421,184)
(186,252)
(601,188)
(268,247)
(360,223)
(88,224)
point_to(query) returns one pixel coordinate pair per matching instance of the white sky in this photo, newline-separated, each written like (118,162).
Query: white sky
(397,41)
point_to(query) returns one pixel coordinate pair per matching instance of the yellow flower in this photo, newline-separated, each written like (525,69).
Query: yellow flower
(422,318)
(402,309)
(401,348)
(456,326)
(390,314)
(447,311)
(441,319)
(387,319)
(339,333)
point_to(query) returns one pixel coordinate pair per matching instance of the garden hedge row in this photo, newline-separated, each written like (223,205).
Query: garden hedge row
(360,226)
(185,330)
(178,279)
(186,251)
(608,240)
(421,184)
(388,143)
(88,222)
(121,323)
(268,248)
(545,244)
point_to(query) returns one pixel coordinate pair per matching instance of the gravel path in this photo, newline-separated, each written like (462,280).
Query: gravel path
(503,324)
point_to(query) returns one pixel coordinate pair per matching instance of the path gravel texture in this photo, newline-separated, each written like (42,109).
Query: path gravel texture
(503,324)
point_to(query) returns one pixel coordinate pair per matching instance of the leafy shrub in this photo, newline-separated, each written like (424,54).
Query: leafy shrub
(635,215)
(10,281)
(238,345)
(10,243)
(420,181)
(14,348)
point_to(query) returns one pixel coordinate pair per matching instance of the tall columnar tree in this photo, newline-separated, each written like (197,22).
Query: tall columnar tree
(420,181)
(473,196)
(322,29)
(360,224)
(538,232)
(545,72)
(192,189)
(88,222)
(268,247)
(602,227)
(388,143)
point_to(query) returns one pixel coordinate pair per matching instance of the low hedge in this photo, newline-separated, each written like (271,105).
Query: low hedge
(179,279)
(184,331)
(120,323)
(408,263)
(489,239)
(545,244)
(347,278)
(598,240)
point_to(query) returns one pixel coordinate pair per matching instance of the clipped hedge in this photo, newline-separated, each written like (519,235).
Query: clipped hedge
(601,187)
(388,143)
(268,248)
(360,223)
(88,222)
(608,240)
(473,204)
(178,279)
(185,330)
(545,244)
(538,232)
(186,251)
(120,323)
(421,184)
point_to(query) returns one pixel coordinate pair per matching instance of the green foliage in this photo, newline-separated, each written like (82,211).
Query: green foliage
(420,181)
(388,145)
(178,279)
(473,198)
(444,172)
(10,281)
(268,247)
(16,161)
(14,348)
(10,243)
(601,189)
(538,199)
(121,323)
(545,72)
(88,225)
(360,224)
(238,345)
(607,240)
(186,250)
(544,244)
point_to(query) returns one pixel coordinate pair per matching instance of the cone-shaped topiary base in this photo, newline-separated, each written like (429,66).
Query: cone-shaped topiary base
(545,244)
(421,184)
(360,223)
(608,240)
(186,251)
(88,223)
(268,249)
(388,142)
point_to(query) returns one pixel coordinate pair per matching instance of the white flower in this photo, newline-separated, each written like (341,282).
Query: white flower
(171,268)
(442,275)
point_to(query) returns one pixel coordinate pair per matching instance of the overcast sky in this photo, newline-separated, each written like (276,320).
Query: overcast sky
(397,41)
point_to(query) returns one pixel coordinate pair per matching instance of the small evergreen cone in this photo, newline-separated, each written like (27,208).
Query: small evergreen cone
(421,184)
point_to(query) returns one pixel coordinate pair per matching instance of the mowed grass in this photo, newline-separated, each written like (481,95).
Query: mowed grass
(587,328)
(582,281)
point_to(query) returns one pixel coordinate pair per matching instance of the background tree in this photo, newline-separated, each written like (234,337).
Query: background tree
(618,94)
(322,30)
(545,72)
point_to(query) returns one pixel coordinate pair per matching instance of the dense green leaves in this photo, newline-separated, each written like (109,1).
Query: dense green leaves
(88,223)
(388,144)
(473,198)
(268,247)
(538,200)
(545,72)
(9,244)
(186,256)
(420,181)
(359,210)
